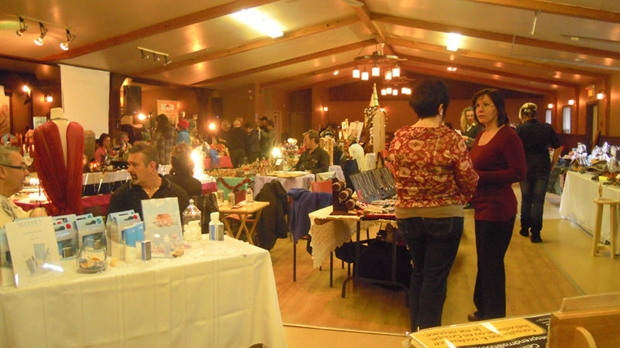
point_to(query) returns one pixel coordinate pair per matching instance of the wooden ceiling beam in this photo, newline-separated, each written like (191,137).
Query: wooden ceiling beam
(202,57)
(337,50)
(492,58)
(306,75)
(159,28)
(364,15)
(487,35)
(556,8)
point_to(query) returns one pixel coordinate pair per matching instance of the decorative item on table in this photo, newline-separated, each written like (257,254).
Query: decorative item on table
(162,223)
(32,243)
(115,223)
(192,216)
(66,235)
(92,257)
(343,201)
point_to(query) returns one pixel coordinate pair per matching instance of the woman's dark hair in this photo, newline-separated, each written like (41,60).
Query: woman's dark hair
(498,100)
(102,138)
(163,126)
(427,95)
(181,160)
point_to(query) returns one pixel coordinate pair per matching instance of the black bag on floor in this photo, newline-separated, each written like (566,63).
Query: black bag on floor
(376,263)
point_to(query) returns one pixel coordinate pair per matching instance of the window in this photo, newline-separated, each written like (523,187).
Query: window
(548,113)
(566,119)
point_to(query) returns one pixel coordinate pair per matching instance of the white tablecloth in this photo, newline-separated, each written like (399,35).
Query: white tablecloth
(222,295)
(334,171)
(578,205)
(303,181)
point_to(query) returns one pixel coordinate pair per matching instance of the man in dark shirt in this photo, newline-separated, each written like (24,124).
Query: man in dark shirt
(314,159)
(537,138)
(146,183)
(237,140)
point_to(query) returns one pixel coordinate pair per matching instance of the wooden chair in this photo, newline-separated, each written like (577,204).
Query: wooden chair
(321,186)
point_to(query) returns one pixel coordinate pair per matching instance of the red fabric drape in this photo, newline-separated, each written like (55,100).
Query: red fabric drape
(62,184)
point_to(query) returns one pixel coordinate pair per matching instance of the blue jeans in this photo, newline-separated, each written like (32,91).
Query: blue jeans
(533,190)
(433,244)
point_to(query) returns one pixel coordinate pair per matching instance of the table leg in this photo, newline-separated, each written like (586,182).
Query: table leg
(250,233)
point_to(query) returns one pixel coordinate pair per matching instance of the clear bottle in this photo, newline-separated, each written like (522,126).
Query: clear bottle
(191,230)
(249,196)
(92,257)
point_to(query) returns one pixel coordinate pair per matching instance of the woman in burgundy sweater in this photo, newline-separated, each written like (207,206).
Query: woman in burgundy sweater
(499,160)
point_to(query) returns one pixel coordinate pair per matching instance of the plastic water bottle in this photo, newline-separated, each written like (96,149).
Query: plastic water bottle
(216,227)
(249,196)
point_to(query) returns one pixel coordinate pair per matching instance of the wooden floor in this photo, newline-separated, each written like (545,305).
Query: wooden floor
(539,276)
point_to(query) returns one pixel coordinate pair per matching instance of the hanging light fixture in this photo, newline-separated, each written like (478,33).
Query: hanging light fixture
(377,59)
(399,85)
(39,41)
(22,27)
(65,45)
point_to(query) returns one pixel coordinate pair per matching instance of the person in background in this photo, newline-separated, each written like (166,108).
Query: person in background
(356,152)
(262,122)
(163,138)
(183,133)
(182,170)
(267,139)
(537,138)
(314,159)
(469,127)
(103,148)
(252,146)
(145,183)
(237,138)
(499,160)
(121,145)
(222,137)
(434,179)
(13,171)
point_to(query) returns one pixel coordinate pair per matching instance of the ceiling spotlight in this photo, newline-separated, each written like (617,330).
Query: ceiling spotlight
(156,58)
(39,41)
(22,27)
(166,60)
(454,42)
(144,55)
(65,45)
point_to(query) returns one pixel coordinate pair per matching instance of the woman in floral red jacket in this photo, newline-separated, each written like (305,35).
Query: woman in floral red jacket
(434,179)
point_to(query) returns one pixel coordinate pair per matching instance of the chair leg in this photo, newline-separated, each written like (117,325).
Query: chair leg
(613,225)
(596,237)
(294,261)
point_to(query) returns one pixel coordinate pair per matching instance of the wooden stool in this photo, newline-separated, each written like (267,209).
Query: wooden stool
(613,224)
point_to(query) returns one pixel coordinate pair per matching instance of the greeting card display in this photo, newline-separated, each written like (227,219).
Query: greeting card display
(162,225)
(33,250)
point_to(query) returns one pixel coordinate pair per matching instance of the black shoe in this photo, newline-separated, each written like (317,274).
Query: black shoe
(474,317)
(524,233)
(536,239)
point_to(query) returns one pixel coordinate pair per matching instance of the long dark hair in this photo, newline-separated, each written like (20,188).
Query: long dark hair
(498,100)
(163,126)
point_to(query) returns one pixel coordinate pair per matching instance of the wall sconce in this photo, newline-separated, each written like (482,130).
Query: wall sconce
(325,108)
(600,95)
(550,106)
(571,102)
(48,98)
(39,41)
(22,27)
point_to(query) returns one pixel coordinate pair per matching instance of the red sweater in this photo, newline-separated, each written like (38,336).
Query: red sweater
(499,163)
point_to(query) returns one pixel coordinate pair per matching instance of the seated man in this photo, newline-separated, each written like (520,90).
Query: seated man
(146,183)
(314,159)
(13,170)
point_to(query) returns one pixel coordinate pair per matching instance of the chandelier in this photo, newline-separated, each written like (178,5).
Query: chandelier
(399,85)
(377,59)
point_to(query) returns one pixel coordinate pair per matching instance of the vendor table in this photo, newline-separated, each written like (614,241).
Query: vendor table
(302,181)
(243,213)
(577,203)
(333,171)
(230,182)
(220,294)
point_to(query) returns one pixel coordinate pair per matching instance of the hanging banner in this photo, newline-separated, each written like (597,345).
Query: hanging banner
(170,109)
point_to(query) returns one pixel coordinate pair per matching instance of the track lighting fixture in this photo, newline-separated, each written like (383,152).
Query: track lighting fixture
(39,41)
(146,53)
(22,27)
(65,45)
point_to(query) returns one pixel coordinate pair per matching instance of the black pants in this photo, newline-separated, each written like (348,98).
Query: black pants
(492,240)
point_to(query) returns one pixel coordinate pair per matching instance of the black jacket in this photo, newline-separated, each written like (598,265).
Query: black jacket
(272,224)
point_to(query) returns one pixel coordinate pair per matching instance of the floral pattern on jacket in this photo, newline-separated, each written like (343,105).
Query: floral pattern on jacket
(432,167)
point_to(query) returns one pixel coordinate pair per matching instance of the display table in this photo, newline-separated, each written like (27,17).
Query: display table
(334,171)
(302,181)
(577,203)
(220,295)
(230,182)
(242,213)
